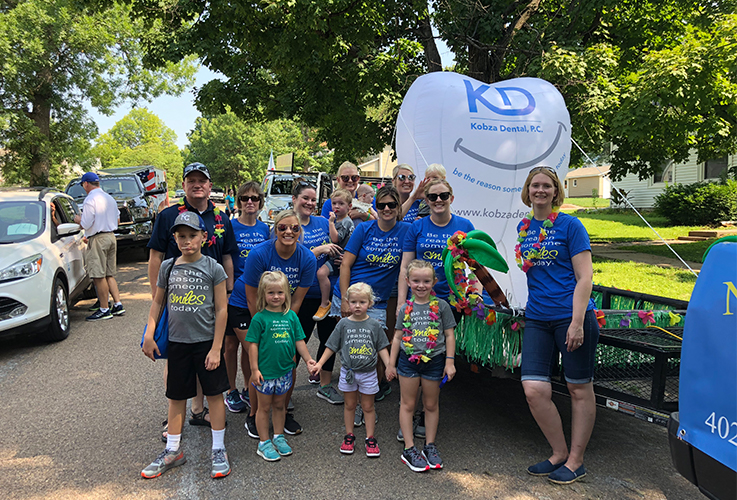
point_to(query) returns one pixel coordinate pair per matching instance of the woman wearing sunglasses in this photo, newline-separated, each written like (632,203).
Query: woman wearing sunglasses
(555,253)
(348,178)
(403,179)
(285,253)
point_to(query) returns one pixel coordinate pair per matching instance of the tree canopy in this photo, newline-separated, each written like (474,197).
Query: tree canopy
(57,55)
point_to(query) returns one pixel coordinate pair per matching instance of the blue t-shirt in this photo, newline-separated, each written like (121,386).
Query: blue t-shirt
(162,238)
(299,268)
(428,241)
(247,237)
(327,207)
(230,202)
(316,233)
(378,258)
(551,280)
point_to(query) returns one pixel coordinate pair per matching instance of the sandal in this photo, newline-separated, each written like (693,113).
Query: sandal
(165,431)
(199,418)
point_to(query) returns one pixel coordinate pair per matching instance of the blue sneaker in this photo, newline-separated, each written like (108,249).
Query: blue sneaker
(281,445)
(245,397)
(234,403)
(268,452)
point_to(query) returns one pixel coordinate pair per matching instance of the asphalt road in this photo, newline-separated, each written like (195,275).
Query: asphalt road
(81,418)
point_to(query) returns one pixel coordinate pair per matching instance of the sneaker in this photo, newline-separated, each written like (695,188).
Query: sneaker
(234,403)
(430,452)
(118,310)
(250,426)
(419,425)
(400,436)
(358,418)
(220,465)
(321,313)
(268,452)
(245,397)
(372,447)
(166,460)
(94,307)
(329,394)
(291,426)
(290,405)
(414,460)
(384,390)
(315,379)
(281,445)
(98,315)
(349,442)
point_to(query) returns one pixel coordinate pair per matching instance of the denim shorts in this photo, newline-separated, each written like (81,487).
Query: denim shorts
(544,340)
(276,386)
(432,370)
(365,382)
(375,313)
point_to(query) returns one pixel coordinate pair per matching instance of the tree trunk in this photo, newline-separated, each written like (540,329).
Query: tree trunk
(479,64)
(432,56)
(40,160)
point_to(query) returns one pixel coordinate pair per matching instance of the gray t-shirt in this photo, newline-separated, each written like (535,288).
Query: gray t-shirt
(344,227)
(358,343)
(420,317)
(191,298)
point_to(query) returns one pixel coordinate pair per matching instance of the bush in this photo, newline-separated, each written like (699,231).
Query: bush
(702,203)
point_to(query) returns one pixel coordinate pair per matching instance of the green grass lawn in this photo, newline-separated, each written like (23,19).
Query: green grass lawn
(604,227)
(662,281)
(692,252)
(588,202)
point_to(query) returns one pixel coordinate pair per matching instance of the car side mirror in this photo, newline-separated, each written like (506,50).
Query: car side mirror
(68,229)
(154,192)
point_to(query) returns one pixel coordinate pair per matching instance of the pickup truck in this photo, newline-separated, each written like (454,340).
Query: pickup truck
(277,187)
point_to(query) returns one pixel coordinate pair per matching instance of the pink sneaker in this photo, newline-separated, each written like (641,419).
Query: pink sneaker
(349,442)
(372,447)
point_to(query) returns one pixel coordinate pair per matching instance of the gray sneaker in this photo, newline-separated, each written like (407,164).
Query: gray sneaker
(220,465)
(330,394)
(419,425)
(358,419)
(400,436)
(430,452)
(415,460)
(166,460)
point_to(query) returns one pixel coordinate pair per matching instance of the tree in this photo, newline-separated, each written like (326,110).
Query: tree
(55,55)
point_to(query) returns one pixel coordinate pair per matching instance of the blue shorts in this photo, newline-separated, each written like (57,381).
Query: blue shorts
(374,313)
(276,386)
(545,340)
(432,370)
(365,382)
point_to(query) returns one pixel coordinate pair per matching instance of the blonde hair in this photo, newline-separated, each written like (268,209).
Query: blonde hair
(273,278)
(435,183)
(346,165)
(436,168)
(343,194)
(559,197)
(421,264)
(361,288)
(283,215)
(402,166)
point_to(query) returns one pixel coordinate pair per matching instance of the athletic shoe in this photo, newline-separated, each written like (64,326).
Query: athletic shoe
(372,447)
(281,445)
(250,426)
(358,418)
(349,442)
(268,452)
(419,425)
(96,306)
(166,460)
(329,394)
(384,390)
(400,436)
(98,315)
(291,426)
(234,403)
(118,310)
(321,313)
(290,405)
(220,465)
(315,379)
(414,460)
(245,397)
(430,452)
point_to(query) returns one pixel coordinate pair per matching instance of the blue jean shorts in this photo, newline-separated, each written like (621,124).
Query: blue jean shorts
(365,382)
(432,370)
(375,313)
(276,386)
(545,340)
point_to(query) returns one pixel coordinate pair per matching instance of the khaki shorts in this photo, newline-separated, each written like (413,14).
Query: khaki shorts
(101,255)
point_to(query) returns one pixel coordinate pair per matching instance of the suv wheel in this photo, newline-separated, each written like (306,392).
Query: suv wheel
(59,313)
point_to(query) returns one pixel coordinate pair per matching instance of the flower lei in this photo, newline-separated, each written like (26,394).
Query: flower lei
(471,303)
(432,331)
(535,252)
(219,226)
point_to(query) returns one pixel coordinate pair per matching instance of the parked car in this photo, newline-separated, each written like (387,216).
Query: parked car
(217,195)
(179,193)
(277,187)
(42,271)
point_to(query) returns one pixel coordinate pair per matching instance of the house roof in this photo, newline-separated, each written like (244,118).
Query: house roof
(588,172)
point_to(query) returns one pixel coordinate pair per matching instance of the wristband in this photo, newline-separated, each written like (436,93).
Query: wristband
(450,357)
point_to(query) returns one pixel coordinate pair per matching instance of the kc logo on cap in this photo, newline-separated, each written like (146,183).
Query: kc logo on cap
(189,219)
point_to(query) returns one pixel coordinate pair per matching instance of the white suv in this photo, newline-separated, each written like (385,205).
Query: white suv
(42,270)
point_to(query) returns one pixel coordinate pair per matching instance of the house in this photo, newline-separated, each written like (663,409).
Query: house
(380,165)
(642,193)
(581,182)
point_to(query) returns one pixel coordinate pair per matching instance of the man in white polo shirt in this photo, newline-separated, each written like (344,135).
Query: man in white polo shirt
(99,219)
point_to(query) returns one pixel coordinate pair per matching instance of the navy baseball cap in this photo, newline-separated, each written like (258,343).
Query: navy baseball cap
(195,167)
(89,177)
(189,219)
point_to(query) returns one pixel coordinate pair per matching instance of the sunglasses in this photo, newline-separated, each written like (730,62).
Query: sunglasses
(543,167)
(434,196)
(198,167)
(245,199)
(306,184)
(282,228)
(391,204)
(347,178)
(402,177)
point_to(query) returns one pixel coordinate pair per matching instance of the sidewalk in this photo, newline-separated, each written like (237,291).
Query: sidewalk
(612,251)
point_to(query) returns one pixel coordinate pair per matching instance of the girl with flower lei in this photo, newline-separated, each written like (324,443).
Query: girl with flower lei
(422,353)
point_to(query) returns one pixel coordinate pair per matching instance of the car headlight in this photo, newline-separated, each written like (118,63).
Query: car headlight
(22,269)
(139,212)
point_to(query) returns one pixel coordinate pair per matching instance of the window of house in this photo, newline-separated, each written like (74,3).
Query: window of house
(565,184)
(714,168)
(575,182)
(664,172)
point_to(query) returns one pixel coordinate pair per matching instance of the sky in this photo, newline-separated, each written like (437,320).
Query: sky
(179,113)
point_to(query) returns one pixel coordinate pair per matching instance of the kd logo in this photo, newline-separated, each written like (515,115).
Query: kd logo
(477,95)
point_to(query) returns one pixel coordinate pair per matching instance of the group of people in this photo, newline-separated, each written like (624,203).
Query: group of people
(367,276)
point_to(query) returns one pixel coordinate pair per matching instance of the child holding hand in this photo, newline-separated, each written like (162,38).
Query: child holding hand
(359,340)
(274,335)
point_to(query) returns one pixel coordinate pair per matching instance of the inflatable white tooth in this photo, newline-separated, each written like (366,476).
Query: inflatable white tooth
(488,138)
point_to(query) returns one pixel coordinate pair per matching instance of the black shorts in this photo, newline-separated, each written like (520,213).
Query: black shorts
(238,317)
(187,364)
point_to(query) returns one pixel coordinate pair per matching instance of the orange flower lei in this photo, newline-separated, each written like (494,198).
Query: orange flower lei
(219,226)
(432,331)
